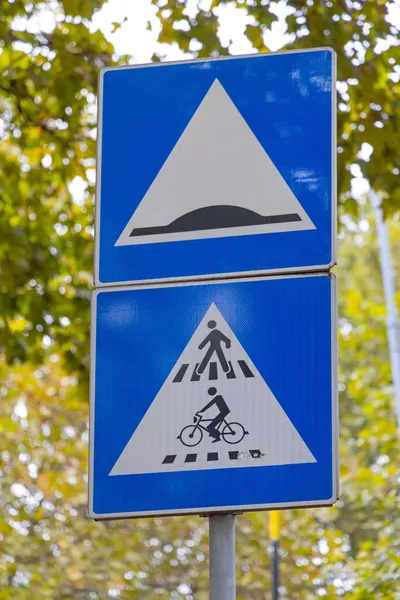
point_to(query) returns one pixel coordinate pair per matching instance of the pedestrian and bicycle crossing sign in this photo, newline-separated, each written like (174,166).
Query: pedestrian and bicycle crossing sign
(216,167)
(214,396)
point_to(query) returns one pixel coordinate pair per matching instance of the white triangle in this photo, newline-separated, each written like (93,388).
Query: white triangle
(157,443)
(216,163)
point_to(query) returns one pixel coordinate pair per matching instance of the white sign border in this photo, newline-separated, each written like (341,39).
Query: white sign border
(203,277)
(204,510)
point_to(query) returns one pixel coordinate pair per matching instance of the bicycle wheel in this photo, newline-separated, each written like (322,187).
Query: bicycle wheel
(233,433)
(191,435)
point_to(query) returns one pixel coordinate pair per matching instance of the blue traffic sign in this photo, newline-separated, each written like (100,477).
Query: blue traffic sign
(213,396)
(216,167)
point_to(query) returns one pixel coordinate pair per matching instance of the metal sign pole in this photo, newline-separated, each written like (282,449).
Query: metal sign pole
(275,533)
(222,557)
(389,289)
(275,569)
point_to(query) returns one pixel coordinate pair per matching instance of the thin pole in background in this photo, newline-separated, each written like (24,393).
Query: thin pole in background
(222,557)
(389,289)
(274,533)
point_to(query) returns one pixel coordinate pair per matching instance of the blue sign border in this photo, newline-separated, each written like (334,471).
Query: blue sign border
(215,257)
(315,287)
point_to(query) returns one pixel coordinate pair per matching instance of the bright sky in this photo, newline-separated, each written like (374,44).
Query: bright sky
(135,39)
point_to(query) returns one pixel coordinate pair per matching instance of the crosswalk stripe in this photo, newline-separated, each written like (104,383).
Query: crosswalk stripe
(181,373)
(212,456)
(231,373)
(169,459)
(190,458)
(195,376)
(213,373)
(245,368)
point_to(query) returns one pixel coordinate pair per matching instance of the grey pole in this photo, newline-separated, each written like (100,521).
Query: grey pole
(222,557)
(388,277)
(275,569)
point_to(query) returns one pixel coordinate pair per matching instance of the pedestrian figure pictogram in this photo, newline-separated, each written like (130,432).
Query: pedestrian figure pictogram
(215,339)
(218,345)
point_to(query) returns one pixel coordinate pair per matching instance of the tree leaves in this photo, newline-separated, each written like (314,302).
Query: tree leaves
(48,548)
(47,108)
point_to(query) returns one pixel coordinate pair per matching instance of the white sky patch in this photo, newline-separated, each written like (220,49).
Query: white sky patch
(393,14)
(135,39)
(20,409)
(44,20)
(232,25)
(19,490)
(132,37)
(276,37)
(91,175)
(359,188)
(77,188)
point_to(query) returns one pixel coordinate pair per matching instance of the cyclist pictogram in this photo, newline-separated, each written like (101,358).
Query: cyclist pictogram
(217,427)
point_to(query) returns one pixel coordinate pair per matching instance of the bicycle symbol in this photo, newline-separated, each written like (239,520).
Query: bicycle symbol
(231,433)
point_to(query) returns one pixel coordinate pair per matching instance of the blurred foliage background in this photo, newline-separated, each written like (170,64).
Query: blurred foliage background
(48,547)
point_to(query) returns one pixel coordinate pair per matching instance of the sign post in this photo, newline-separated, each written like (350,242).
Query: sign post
(275,531)
(213,384)
(222,557)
